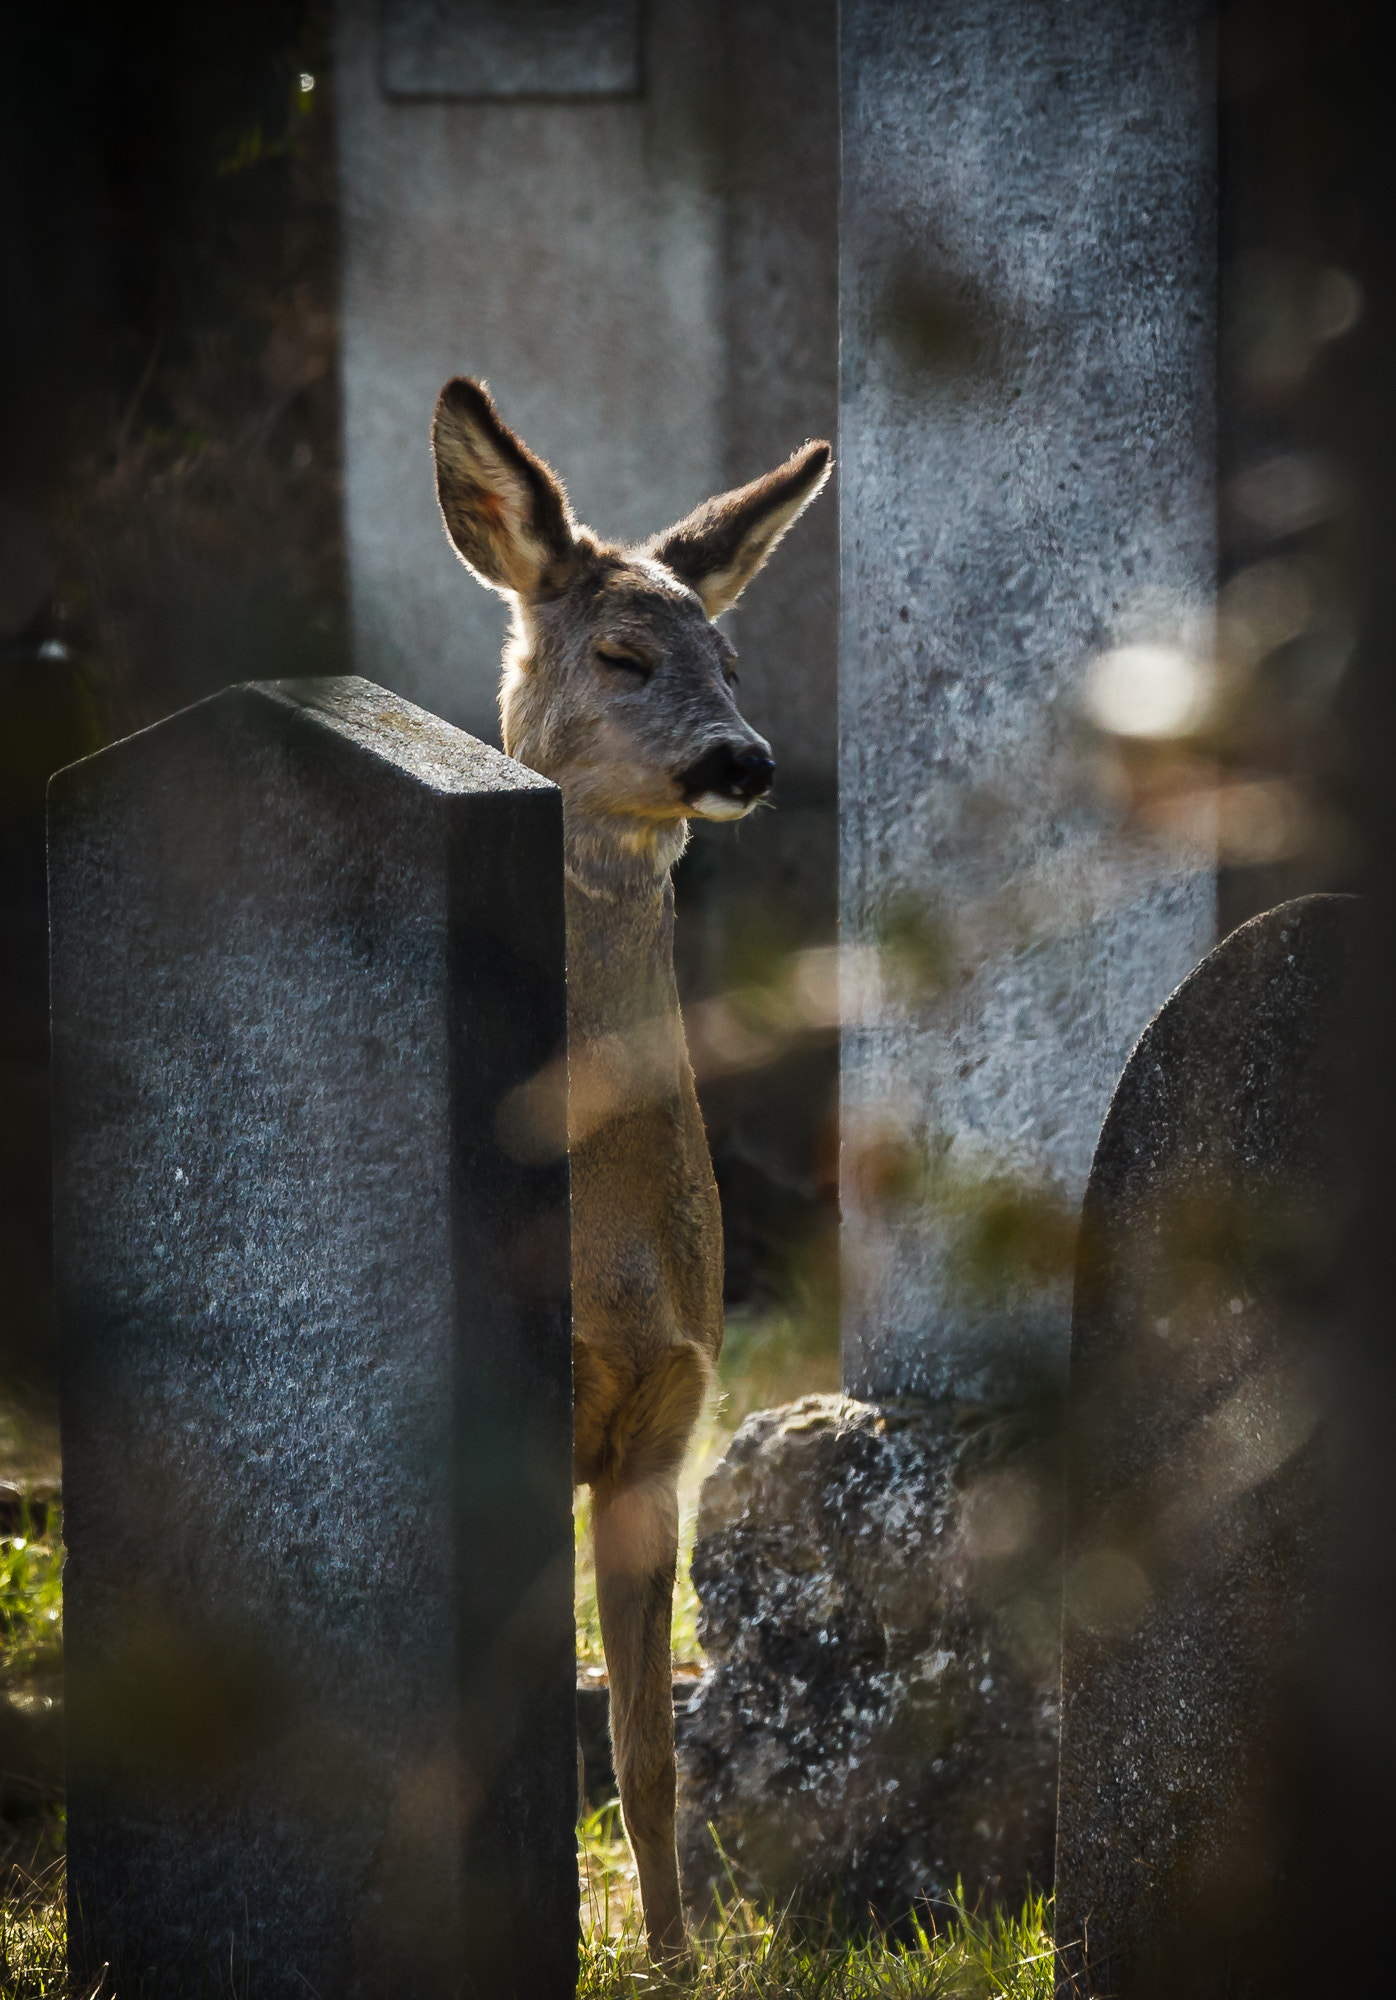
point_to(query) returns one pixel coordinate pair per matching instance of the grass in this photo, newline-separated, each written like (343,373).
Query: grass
(31,1607)
(32,1929)
(746,1952)
(33,1948)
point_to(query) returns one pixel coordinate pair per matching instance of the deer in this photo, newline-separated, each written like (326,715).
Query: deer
(617,685)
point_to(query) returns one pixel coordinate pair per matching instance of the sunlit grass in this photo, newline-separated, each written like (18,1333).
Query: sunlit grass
(745,1952)
(610,1889)
(34,1945)
(32,1930)
(31,1606)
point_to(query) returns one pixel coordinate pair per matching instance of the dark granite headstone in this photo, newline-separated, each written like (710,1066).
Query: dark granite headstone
(1196,1519)
(316,1370)
(509,48)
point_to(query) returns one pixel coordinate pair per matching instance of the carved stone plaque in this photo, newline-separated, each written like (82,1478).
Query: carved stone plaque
(509,48)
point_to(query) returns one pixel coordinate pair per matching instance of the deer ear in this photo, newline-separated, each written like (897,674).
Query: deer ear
(720,547)
(506,513)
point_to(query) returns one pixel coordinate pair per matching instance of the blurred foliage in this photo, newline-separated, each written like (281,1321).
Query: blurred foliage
(943,326)
(1004,1232)
(170,483)
(1014,1234)
(921,953)
(171,406)
(31,1605)
(1261,767)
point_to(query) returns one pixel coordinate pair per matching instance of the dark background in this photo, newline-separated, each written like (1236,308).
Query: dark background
(169,494)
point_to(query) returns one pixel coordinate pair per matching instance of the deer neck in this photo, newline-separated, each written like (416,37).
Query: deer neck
(620,940)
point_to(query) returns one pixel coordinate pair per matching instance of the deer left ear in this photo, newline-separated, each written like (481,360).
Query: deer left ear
(721,546)
(504,510)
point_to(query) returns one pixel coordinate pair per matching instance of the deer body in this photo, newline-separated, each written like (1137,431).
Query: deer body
(619,687)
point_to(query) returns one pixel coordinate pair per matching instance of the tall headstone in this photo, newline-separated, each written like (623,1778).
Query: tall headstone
(1198,1540)
(1028,322)
(316,1370)
(565,246)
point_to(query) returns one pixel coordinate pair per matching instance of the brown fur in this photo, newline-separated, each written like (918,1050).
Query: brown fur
(618,686)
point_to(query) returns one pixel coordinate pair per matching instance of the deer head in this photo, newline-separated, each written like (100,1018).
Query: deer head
(617,684)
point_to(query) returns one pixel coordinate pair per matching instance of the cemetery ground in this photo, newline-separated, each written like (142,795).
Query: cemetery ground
(744,1952)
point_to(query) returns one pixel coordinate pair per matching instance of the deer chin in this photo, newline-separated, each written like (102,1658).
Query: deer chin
(712,805)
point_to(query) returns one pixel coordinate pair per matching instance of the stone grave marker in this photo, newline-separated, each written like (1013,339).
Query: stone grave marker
(1196,1520)
(1027,325)
(509,48)
(878,1713)
(316,1370)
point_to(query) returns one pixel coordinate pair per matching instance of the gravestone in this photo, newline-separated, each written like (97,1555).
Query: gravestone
(877,1718)
(1196,1546)
(474,225)
(316,1371)
(1027,321)
(509,48)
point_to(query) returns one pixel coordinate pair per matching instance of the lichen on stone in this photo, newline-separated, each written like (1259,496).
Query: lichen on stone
(878,1715)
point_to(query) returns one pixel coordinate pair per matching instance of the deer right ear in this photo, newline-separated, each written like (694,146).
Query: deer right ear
(720,547)
(506,513)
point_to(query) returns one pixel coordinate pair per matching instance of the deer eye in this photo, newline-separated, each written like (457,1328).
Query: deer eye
(625,662)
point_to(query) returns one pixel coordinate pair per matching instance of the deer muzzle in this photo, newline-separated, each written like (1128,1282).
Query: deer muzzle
(728,779)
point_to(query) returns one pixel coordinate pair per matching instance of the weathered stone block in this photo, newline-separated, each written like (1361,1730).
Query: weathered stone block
(878,1715)
(1197,1515)
(1027,321)
(316,1371)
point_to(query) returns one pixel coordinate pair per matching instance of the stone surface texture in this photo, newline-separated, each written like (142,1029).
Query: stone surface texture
(879,1616)
(1027,334)
(508,48)
(1196,1506)
(316,1371)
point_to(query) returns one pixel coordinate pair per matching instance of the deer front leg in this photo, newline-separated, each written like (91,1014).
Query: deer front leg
(636,1536)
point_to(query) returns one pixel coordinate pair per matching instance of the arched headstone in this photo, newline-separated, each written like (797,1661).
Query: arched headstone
(1196,1523)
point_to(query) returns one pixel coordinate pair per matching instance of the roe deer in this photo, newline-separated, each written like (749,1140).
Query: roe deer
(618,686)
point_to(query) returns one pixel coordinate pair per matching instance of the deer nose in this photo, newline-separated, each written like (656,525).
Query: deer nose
(732,770)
